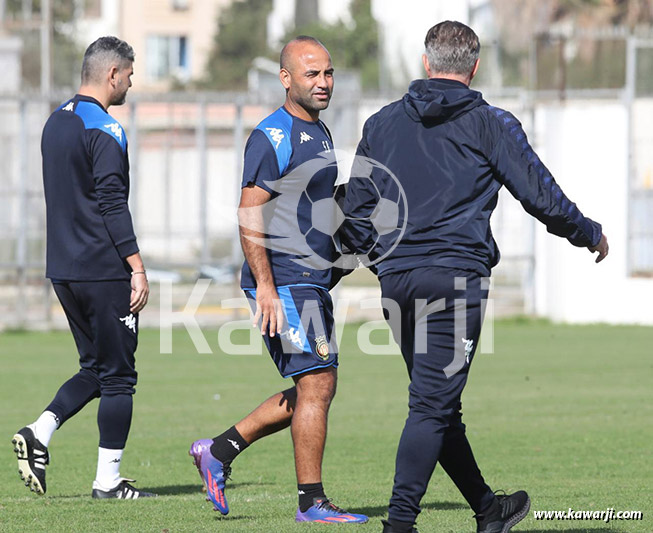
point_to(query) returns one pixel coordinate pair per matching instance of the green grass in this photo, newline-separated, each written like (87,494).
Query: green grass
(562,411)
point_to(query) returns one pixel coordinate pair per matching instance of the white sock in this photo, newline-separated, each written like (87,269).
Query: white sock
(45,426)
(108,467)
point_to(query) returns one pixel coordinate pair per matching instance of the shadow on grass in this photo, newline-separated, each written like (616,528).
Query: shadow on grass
(382,510)
(579,530)
(231,518)
(177,490)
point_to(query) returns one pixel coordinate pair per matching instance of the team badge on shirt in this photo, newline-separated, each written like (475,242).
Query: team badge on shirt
(322,347)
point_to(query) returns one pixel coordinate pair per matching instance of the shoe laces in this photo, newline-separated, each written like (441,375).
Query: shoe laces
(328,505)
(226,472)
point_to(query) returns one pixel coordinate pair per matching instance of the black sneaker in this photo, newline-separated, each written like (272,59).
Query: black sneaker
(387,528)
(122,491)
(505,512)
(32,458)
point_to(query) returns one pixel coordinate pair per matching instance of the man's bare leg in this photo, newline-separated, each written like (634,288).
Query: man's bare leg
(273,415)
(315,390)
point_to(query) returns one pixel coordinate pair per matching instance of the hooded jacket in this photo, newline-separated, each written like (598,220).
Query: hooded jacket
(450,152)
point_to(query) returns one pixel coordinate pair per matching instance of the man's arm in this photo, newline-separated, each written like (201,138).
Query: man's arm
(109,174)
(251,228)
(140,286)
(517,166)
(357,232)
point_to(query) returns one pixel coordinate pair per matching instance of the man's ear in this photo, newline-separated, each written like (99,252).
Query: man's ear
(113,75)
(284,77)
(475,69)
(427,68)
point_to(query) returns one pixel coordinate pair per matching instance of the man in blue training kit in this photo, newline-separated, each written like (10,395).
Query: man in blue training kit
(286,169)
(95,267)
(451,152)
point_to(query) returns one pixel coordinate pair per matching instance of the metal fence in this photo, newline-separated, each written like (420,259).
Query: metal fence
(186,159)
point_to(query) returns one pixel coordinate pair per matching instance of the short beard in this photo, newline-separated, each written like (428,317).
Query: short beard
(119,99)
(311,105)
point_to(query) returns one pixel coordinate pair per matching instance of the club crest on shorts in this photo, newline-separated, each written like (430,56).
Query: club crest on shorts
(322,347)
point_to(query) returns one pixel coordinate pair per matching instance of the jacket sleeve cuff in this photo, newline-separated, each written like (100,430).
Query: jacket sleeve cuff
(127,248)
(598,233)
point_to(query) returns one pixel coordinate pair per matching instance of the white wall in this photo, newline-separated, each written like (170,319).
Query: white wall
(584,144)
(403,26)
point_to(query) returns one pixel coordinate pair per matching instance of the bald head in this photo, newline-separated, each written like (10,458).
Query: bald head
(295,48)
(307,76)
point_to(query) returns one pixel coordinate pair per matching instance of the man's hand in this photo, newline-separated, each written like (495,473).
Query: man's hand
(140,292)
(602,247)
(268,310)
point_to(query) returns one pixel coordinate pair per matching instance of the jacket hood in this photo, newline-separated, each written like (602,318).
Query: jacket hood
(438,100)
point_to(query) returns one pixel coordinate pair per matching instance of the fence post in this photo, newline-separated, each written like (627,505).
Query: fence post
(21,241)
(203,189)
(133,164)
(239,141)
(629,100)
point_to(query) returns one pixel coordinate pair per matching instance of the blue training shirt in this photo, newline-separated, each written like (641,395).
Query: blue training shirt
(86,184)
(293,160)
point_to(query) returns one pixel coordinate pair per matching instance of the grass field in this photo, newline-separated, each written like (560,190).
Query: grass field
(564,412)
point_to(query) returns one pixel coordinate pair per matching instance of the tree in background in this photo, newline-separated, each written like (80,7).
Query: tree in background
(241,37)
(352,46)
(590,62)
(66,54)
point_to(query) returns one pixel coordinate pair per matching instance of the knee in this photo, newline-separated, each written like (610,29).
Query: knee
(432,409)
(118,385)
(90,377)
(317,388)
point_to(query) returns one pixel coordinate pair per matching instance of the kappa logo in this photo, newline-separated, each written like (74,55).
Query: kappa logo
(322,347)
(116,460)
(295,337)
(277,136)
(115,129)
(304,137)
(469,348)
(234,444)
(69,107)
(129,321)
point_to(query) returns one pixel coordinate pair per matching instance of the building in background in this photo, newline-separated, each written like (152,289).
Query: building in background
(172,38)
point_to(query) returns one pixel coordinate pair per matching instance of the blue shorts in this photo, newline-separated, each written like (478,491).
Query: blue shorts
(306,342)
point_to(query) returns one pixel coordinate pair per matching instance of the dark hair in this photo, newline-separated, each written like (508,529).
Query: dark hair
(283,57)
(452,48)
(102,54)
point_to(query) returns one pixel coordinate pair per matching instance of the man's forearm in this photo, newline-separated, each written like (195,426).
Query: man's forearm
(136,262)
(257,259)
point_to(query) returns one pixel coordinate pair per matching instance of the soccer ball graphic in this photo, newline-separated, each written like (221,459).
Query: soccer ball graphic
(288,230)
(385,213)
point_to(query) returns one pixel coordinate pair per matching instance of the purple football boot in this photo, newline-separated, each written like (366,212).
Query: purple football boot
(324,512)
(213,473)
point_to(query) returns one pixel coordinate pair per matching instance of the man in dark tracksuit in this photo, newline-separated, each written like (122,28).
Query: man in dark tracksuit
(95,267)
(451,152)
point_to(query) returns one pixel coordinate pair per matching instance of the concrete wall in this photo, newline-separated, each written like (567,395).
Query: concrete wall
(585,145)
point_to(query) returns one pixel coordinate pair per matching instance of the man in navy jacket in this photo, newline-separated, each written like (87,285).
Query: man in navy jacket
(95,266)
(451,152)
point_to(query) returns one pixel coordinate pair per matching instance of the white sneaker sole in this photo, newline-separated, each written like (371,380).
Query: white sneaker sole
(517,517)
(26,473)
